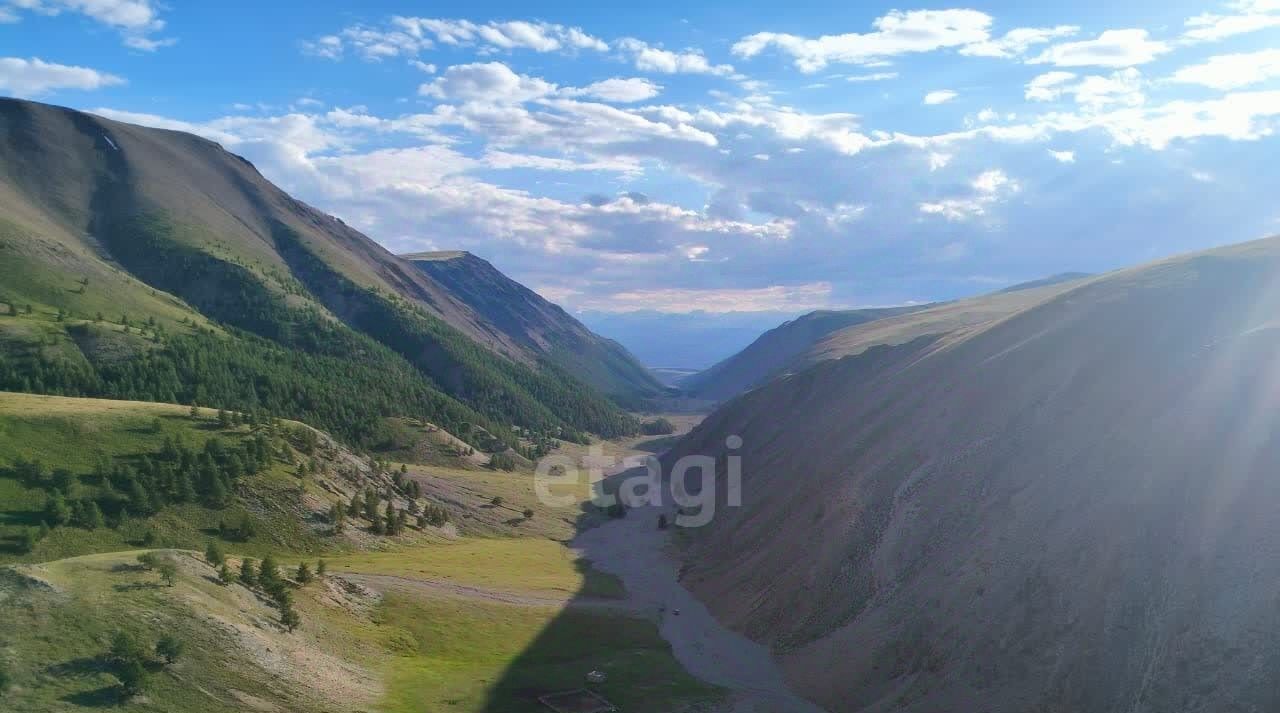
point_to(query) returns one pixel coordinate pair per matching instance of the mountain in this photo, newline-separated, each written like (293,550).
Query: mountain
(774,350)
(1066,508)
(673,340)
(241,296)
(521,317)
(1046,281)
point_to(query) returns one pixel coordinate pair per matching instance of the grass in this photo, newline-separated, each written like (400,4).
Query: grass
(56,633)
(523,566)
(472,657)
(75,433)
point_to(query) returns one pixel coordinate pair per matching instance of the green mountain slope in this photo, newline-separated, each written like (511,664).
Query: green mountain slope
(533,323)
(150,264)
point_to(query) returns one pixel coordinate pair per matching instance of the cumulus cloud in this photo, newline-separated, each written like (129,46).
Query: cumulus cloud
(621,91)
(137,21)
(35,77)
(986,189)
(1016,42)
(896,33)
(1063,156)
(648,58)
(1113,48)
(1123,87)
(1245,16)
(1232,71)
(407,36)
(940,96)
(492,82)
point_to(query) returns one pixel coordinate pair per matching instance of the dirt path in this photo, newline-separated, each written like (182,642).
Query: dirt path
(391,582)
(633,549)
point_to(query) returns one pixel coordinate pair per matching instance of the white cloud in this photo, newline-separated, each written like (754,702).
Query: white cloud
(1063,156)
(1246,16)
(1123,87)
(1048,86)
(492,82)
(136,20)
(987,188)
(1113,48)
(648,58)
(873,77)
(987,115)
(407,36)
(896,33)
(622,91)
(940,96)
(776,298)
(34,77)
(1016,42)
(1232,71)
(424,67)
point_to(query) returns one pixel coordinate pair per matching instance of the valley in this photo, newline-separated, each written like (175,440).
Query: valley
(253,460)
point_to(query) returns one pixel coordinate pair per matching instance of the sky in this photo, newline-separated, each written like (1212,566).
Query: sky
(713,157)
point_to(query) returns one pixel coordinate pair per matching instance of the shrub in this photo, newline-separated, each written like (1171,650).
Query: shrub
(213,554)
(528,513)
(133,676)
(304,573)
(168,573)
(169,648)
(502,461)
(657,427)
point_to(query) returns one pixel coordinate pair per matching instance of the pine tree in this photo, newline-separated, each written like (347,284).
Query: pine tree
(322,568)
(248,572)
(289,618)
(392,520)
(269,574)
(225,575)
(213,554)
(56,510)
(93,519)
(303,575)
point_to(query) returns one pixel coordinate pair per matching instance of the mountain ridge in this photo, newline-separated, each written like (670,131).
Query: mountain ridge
(109,223)
(534,323)
(1030,513)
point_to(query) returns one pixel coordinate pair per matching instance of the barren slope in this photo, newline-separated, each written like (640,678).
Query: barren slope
(524,318)
(775,350)
(1069,509)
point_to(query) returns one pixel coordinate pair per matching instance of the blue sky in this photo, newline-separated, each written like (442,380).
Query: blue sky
(713,157)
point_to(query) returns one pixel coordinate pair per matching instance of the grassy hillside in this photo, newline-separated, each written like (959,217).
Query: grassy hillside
(452,618)
(173,239)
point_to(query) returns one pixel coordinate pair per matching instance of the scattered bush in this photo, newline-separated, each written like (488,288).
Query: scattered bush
(657,427)
(169,648)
